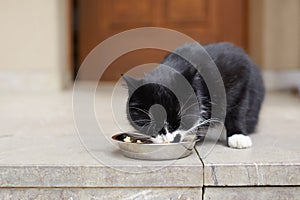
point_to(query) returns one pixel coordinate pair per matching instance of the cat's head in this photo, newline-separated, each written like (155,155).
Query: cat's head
(152,108)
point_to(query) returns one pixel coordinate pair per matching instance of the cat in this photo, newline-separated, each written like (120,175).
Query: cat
(243,84)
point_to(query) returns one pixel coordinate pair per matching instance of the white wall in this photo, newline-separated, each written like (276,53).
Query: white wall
(282,34)
(275,41)
(275,33)
(33,44)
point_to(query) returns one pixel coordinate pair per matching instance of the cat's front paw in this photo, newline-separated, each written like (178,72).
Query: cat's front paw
(239,141)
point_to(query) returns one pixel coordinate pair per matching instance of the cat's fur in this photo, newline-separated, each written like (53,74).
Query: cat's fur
(244,94)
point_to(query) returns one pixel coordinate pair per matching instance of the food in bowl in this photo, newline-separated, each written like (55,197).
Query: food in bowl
(134,138)
(129,139)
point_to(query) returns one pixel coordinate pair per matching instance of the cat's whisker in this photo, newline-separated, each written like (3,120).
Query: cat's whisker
(184,110)
(149,127)
(146,125)
(149,123)
(184,123)
(147,113)
(197,125)
(181,111)
(193,115)
(209,120)
(142,120)
(143,126)
(179,114)
(154,127)
(187,100)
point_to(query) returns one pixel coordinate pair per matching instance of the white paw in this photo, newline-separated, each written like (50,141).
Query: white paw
(239,141)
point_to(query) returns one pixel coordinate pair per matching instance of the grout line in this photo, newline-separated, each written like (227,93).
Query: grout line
(252,186)
(203,188)
(97,187)
(154,187)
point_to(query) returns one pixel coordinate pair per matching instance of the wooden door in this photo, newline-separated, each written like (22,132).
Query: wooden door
(206,21)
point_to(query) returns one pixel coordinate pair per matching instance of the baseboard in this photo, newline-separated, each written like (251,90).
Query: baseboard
(28,80)
(38,80)
(281,79)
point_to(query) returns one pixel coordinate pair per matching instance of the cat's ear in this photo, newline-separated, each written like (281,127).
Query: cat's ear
(131,82)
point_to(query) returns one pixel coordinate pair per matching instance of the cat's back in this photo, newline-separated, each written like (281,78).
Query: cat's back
(229,57)
(221,53)
(226,52)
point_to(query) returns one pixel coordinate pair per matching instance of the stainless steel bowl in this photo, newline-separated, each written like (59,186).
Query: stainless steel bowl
(169,151)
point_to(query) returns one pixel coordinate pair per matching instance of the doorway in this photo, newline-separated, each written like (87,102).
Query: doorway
(206,21)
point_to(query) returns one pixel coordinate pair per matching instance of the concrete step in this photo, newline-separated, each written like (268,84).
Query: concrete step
(42,156)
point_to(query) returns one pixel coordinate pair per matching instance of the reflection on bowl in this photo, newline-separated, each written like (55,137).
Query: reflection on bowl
(146,150)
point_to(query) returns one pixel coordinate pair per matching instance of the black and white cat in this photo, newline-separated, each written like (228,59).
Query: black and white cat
(243,86)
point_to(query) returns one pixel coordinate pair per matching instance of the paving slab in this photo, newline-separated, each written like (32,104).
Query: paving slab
(250,193)
(40,147)
(101,193)
(274,158)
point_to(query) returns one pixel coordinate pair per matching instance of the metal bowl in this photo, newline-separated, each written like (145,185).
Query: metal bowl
(151,151)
